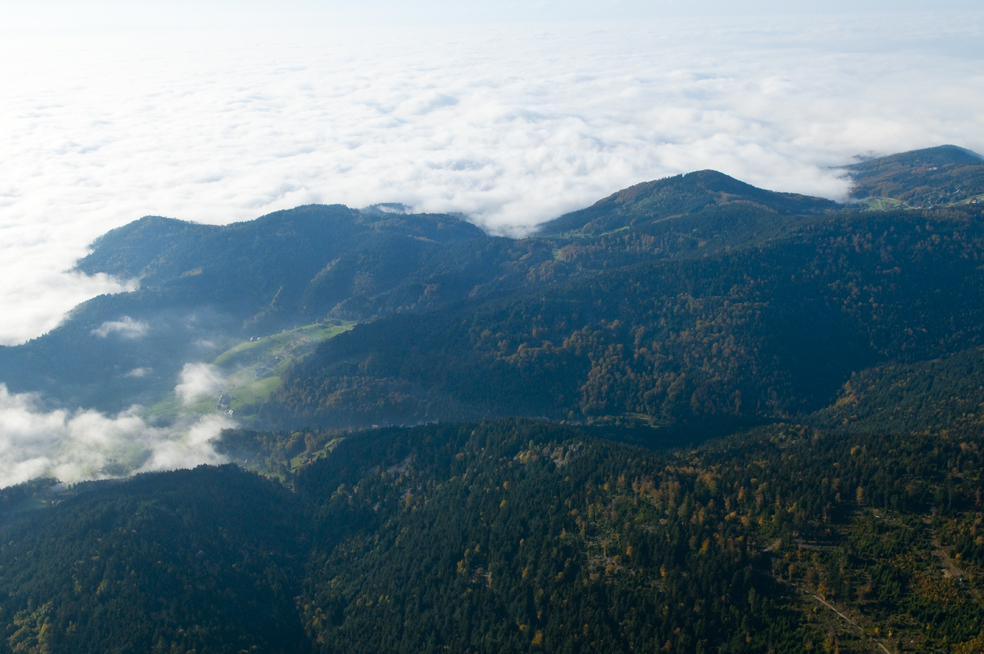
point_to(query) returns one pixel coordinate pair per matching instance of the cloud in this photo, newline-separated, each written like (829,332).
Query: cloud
(511,124)
(36,293)
(126,328)
(198,380)
(85,444)
(139,372)
(193,447)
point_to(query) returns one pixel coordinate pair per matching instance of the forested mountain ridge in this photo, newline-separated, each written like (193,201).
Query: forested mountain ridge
(266,265)
(205,289)
(760,332)
(678,196)
(158,250)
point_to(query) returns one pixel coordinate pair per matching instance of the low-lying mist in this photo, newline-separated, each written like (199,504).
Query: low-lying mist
(85,444)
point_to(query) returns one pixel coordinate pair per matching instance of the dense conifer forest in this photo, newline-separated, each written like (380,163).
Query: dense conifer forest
(517,535)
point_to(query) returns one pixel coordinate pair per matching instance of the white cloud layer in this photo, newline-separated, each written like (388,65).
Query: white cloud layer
(80,445)
(512,124)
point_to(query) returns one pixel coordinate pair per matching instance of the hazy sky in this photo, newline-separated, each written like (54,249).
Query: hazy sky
(511,112)
(48,15)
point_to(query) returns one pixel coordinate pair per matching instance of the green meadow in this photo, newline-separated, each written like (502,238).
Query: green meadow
(252,370)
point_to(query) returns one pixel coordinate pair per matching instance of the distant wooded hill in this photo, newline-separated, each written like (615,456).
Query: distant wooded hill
(922,178)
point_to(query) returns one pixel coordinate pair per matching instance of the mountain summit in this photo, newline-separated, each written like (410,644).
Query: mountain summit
(675,196)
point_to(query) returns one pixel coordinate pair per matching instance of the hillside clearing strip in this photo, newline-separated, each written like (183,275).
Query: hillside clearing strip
(848,620)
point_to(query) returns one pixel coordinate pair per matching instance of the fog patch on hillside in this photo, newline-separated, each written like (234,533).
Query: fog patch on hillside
(79,445)
(198,381)
(126,327)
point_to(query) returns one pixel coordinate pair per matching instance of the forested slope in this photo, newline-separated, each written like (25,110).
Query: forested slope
(518,535)
(768,331)
(173,562)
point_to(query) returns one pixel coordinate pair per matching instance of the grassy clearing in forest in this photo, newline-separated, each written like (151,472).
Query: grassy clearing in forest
(881,204)
(252,369)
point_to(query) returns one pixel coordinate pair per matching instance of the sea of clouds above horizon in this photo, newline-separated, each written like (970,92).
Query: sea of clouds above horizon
(509,124)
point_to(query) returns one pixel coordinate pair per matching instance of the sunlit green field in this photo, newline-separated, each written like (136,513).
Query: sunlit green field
(252,370)
(881,204)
